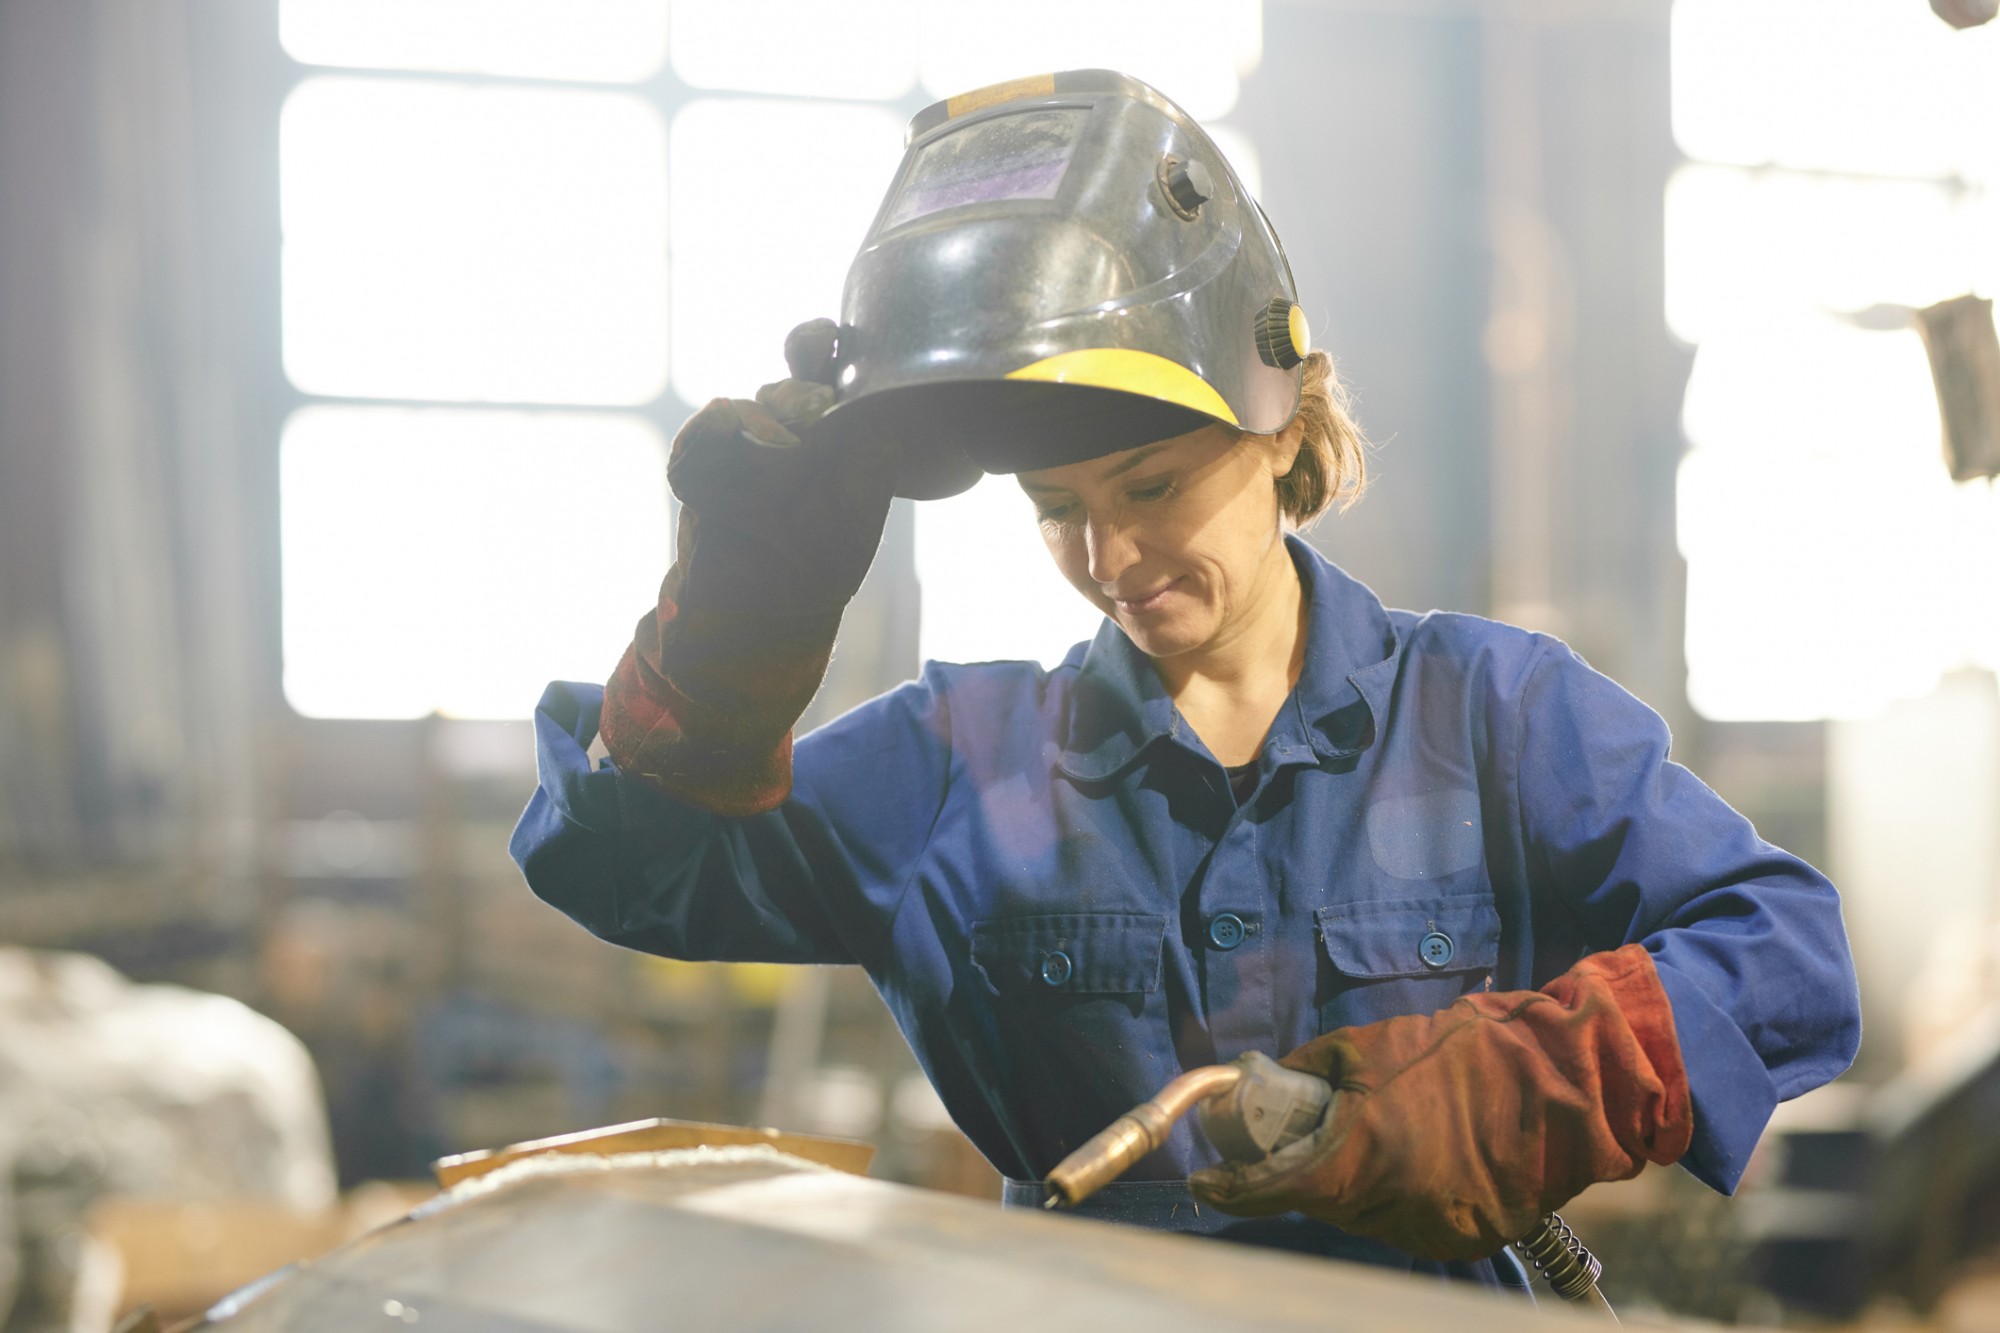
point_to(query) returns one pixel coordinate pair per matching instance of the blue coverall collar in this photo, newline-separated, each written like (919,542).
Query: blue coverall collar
(1120,707)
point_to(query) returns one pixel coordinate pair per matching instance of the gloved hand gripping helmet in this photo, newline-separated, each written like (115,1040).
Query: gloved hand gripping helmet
(1064,267)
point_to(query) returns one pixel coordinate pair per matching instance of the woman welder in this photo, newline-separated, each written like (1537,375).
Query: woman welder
(1437,860)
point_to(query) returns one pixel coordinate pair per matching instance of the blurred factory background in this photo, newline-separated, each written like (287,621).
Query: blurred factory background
(340,342)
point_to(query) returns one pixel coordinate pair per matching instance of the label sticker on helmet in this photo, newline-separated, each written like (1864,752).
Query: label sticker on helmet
(1020,156)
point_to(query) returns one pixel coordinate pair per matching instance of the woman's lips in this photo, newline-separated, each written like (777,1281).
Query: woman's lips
(1152,601)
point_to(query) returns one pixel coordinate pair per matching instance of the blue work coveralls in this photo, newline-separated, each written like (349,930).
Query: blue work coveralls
(1051,883)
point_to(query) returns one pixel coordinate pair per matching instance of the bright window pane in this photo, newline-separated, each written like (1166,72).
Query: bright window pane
(805,48)
(1832,565)
(1771,632)
(1839,85)
(990,589)
(491,244)
(771,201)
(1819,592)
(608,41)
(1194,51)
(456,561)
(1970,593)
(1742,241)
(1808,385)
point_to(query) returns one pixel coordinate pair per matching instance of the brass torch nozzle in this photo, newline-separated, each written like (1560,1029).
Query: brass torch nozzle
(1134,1134)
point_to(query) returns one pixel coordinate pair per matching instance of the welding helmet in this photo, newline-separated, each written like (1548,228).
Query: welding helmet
(1064,267)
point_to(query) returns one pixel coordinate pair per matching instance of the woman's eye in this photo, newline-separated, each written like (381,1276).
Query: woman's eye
(1052,516)
(1158,490)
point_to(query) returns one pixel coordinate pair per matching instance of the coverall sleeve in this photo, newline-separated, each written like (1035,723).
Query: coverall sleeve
(814,881)
(1747,938)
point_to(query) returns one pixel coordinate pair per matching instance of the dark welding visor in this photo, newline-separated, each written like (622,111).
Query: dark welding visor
(1064,267)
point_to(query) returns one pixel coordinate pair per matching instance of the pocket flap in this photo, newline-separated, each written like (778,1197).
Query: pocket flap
(1070,952)
(1395,939)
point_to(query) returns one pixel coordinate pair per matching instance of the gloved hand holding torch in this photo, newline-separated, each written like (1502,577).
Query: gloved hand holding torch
(774,537)
(1451,1134)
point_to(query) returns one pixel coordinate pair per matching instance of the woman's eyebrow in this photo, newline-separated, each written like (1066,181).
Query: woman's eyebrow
(1116,470)
(1134,460)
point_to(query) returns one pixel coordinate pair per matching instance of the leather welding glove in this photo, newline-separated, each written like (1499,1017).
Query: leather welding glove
(774,537)
(1451,1134)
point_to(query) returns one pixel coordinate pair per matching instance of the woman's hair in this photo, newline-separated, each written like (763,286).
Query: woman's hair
(1332,466)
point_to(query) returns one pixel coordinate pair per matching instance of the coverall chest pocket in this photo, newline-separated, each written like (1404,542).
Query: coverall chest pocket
(1385,958)
(1069,954)
(1075,1009)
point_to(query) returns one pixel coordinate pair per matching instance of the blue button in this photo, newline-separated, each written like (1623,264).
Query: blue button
(1225,930)
(1436,949)
(1055,967)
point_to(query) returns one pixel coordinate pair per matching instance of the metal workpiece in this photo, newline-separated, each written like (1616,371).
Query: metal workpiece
(1063,267)
(659,1135)
(748,1238)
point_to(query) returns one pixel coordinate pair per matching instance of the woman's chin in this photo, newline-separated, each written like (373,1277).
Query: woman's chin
(1157,638)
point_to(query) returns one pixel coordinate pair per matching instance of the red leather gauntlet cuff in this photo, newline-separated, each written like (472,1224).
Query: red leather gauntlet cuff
(1647,1106)
(702,704)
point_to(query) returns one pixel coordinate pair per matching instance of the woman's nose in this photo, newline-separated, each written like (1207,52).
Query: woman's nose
(1111,550)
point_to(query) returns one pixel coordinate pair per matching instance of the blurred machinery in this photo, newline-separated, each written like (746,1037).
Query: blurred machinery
(1966,13)
(1895,1196)
(1963,347)
(1965,365)
(1863,1203)
(139,1093)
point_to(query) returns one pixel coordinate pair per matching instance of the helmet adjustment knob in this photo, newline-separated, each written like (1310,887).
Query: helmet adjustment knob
(1187,185)
(810,349)
(1282,339)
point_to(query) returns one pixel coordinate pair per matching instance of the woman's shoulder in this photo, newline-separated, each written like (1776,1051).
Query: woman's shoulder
(943,708)
(1510,667)
(1499,669)
(967,690)
(1434,638)
(1464,636)
(1007,683)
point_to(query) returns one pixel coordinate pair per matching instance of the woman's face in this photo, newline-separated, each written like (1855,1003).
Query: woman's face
(1176,541)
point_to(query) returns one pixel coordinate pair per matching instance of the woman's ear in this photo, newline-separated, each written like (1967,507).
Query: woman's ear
(1285,446)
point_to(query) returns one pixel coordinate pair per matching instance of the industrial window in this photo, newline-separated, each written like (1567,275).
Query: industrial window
(1195,51)
(864,49)
(607,41)
(470,241)
(507,280)
(771,200)
(1843,167)
(492,244)
(419,545)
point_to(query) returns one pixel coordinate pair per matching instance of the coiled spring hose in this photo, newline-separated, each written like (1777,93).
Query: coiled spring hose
(1564,1262)
(1250,1110)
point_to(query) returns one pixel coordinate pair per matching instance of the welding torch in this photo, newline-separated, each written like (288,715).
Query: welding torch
(1250,1110)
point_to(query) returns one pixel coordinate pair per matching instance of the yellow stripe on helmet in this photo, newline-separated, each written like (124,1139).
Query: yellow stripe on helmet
(1035,85)
(1131,371)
